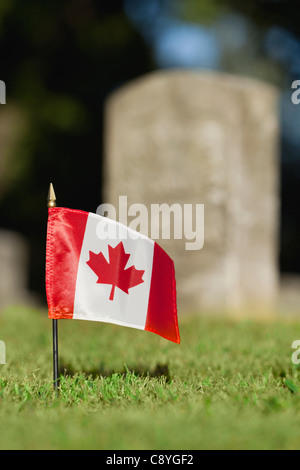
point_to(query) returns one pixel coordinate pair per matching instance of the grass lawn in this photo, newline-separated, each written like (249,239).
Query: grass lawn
(229,385)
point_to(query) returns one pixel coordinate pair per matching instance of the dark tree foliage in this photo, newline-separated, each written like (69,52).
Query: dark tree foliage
(284,13)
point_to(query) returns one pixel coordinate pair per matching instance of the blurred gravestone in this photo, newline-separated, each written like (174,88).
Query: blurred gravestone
(13,247)
(13,269)
(204,138)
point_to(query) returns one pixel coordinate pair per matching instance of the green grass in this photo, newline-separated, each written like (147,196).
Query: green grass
(229,385)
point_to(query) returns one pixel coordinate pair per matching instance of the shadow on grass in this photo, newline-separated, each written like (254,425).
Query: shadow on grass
(160,370)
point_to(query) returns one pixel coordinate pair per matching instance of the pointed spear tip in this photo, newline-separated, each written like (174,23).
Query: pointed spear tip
(51,196)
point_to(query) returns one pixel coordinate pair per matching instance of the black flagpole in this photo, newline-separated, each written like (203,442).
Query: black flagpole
(52,203)
(55,355)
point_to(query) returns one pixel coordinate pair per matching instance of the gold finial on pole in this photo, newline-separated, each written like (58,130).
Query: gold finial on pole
(51,197)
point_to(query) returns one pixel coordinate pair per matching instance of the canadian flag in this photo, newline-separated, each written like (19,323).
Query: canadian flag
(100,270)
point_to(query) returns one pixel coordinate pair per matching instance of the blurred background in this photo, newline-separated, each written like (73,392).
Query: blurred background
(60,61)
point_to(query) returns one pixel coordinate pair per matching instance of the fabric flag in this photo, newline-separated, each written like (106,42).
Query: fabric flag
(100,270)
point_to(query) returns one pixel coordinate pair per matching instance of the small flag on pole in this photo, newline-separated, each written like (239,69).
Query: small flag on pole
(100,270)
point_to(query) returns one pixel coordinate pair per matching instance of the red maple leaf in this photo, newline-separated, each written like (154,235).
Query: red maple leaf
(114,272)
